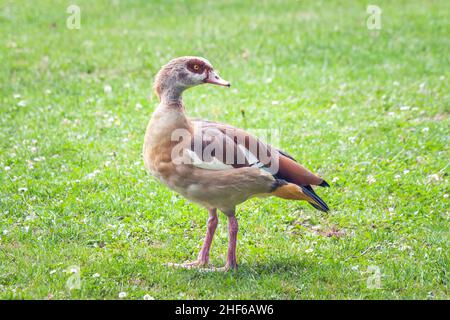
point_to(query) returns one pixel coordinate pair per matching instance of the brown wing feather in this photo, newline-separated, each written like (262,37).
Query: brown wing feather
(289,169)
(293,181)
(294,172)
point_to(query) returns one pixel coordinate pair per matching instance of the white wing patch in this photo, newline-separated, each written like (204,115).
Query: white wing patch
(215,164)
(251,159)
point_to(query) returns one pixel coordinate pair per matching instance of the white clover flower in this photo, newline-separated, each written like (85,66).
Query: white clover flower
(122,295)
(148,297)
(371,179)
(74,270)
(434,177)
(422,87)
(92,174)
(107,88)
(22,103)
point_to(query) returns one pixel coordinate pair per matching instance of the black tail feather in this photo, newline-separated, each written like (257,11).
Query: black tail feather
(321,205)
(317,207)
(324,184)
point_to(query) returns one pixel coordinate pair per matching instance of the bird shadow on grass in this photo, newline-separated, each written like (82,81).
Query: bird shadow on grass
(284,267)
(278,266)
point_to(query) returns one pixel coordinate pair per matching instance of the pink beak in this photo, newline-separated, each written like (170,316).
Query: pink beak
(213,78)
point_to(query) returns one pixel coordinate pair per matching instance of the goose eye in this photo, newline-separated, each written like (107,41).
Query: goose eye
(196,67)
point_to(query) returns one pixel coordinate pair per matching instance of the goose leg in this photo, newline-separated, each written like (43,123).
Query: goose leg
(232,233)
(231,255)
(203,256)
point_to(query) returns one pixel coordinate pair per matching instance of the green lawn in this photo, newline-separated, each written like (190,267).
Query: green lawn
(367,110)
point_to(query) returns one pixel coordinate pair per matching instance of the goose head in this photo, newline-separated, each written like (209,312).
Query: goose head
(183,73)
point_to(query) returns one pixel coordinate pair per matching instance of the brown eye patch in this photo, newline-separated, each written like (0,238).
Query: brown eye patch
(196,66)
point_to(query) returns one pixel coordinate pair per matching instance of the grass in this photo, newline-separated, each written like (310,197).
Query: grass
(366,110)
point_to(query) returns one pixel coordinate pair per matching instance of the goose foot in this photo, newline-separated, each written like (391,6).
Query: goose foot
(203,266)
(189,265)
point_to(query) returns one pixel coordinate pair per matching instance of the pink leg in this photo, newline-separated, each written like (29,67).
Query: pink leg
(203,256)
(232,232)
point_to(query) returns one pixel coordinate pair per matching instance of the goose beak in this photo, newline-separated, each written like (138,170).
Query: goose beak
(213,78)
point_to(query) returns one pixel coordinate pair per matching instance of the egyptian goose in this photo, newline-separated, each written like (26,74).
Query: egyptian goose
(213,164)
